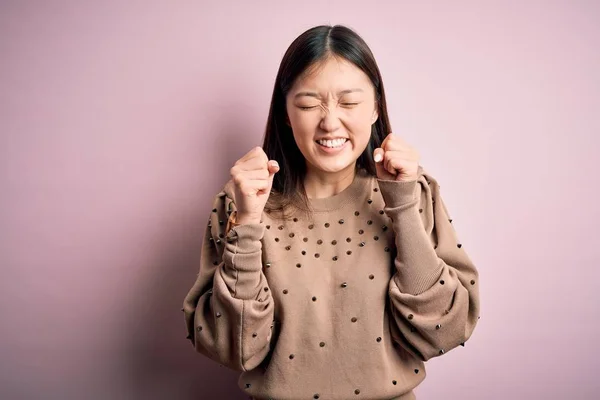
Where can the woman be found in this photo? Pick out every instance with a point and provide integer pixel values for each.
(330, 268)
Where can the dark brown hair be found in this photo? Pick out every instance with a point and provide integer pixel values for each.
(307, 50)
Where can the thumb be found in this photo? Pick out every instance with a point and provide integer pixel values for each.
(378, 157)
(273, 167)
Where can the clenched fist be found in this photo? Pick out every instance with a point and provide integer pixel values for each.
(252, 176)
(396, 160)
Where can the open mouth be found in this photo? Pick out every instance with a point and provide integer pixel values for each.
(333, 144)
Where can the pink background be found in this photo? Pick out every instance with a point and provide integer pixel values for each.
(119, 121)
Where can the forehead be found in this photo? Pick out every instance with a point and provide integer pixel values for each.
(333, 74)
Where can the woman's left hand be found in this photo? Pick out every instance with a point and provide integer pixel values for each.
(396, 160)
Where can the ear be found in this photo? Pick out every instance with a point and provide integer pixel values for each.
(375, 116)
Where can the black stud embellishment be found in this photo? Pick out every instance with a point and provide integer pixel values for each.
(288, 247)
(348, 240)
(277, 239)
(218, 241)
(316, 396)
(362, 244)
(311, 226)
(314, 298)
(420, 210)
(334, 258)
(450, 219)
(220, 222)
(303, 252)
(319, 241)
(371, 276)
(354, 319)
(248, 385)
(285, 291)
(381, 212)
(292, 235)
(295, 219)
(384, 228)
(334, 242)
(280, 227)
(375, 190)
(305, 240)
(360, 231)
(214, 210)
(416, 370)
(387, 249)
(369, 201)
(438, 326)
(463, 344)
(435, 247)
(459, 245)
(344, 285)
(266, 289)
(268, 226)
(369, 222)
(472, 282)
(254, 334)
(298, 265)
(376, 237)
(357, 391)
(410, 316)
(378, 339)
(221, 235)
(442, 282)
(341, 221)
(322, 344)
(442, 351)
(349, 252)
(199, 329)
(394, 382)
(291, 356)
(218, 314)
(326, 224)
(356, 213)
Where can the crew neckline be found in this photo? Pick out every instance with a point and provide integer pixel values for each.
(349, 194)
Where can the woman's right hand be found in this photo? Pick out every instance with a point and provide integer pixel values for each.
(252, 176)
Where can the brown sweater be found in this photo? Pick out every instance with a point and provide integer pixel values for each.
(347, 305)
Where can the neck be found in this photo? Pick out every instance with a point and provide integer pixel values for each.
(321, 184)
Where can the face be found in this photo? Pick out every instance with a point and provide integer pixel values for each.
(331, 109)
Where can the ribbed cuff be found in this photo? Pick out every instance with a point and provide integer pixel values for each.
(243, 259)
(398, 193)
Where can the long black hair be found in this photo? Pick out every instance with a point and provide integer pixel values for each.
(307, 50)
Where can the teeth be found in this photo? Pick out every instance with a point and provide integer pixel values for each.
(332, 143)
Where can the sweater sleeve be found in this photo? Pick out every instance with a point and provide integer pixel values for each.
(434, 292)
(229, 309)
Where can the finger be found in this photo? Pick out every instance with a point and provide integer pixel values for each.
(254, 186)
(273, 167)
(378, 154)
(255, 162)
(256, 152)
(254, 174)
(388, 164)
(385, 141)
(395, 163)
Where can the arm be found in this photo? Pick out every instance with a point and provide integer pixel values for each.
(229, 310)
(434, 293)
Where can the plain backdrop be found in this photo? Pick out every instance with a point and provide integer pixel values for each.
(119, 121)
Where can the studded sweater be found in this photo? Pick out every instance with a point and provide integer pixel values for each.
(347, 303)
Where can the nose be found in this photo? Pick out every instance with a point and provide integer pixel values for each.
(330, 121)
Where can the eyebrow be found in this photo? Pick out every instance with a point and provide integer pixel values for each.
(313, 94)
